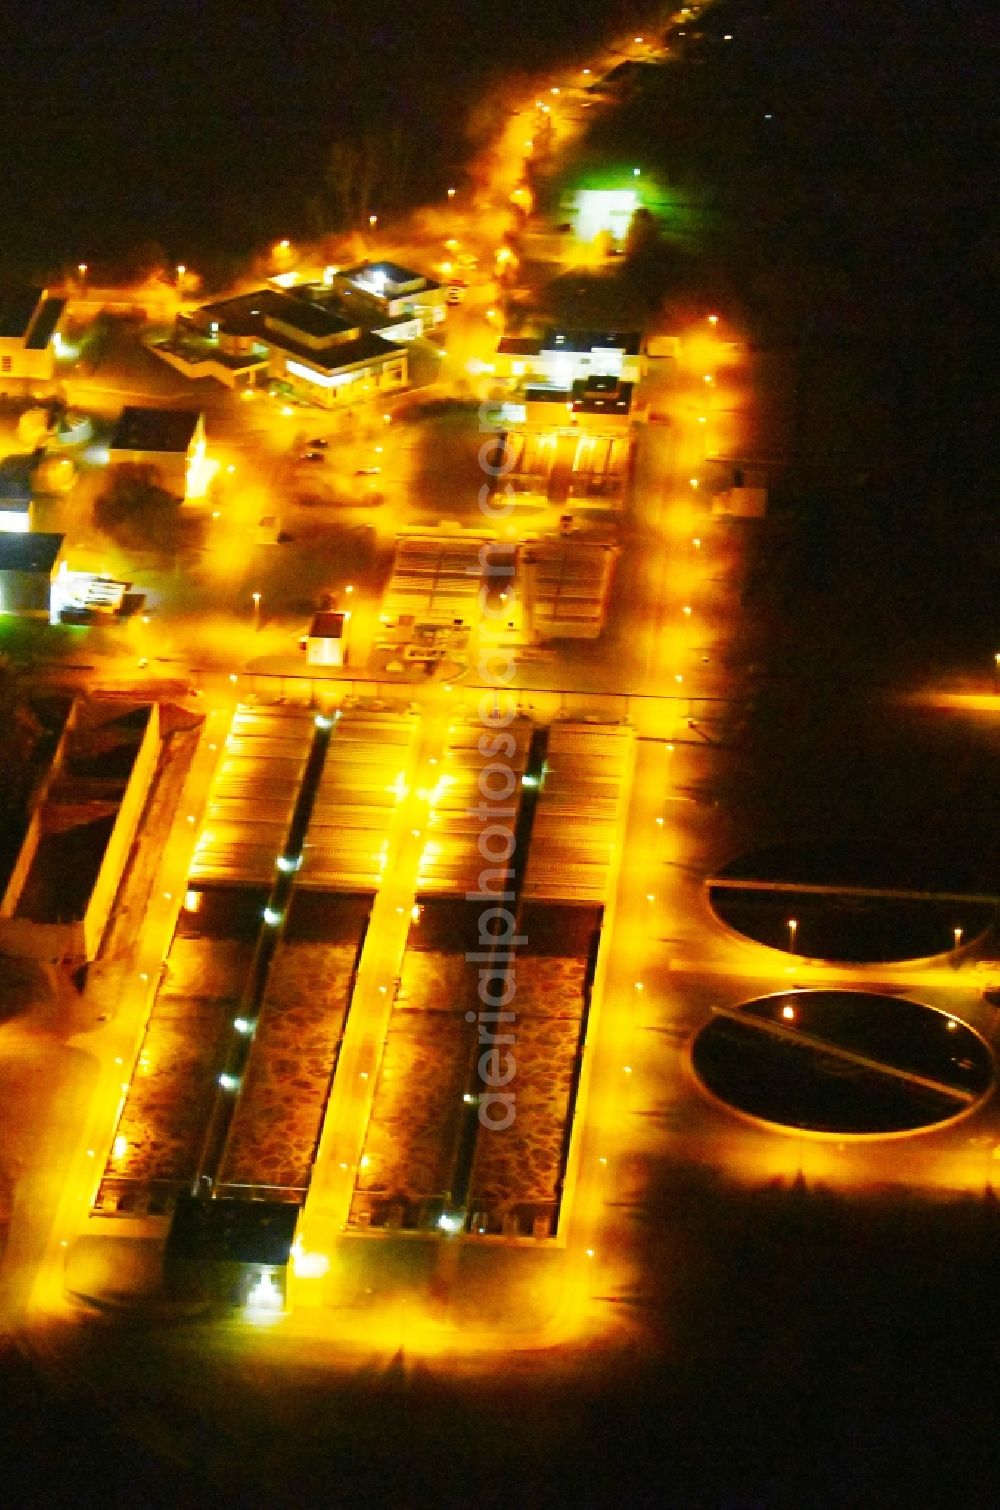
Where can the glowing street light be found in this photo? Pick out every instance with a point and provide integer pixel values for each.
(81, 268)
(713, 319)
(451, 193)
(958, 936)
(373, 221)
(792, 926)
(181, 270)
(255, 597)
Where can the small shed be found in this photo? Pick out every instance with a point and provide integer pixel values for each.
(326, 642)
(29, 564)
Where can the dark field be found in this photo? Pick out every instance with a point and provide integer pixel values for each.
(804, 1351)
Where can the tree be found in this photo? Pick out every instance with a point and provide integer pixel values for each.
(370, 175)
(135, 511)
(642, 239)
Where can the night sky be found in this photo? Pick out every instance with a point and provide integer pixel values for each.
(204, 124)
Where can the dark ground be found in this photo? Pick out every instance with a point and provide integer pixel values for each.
(828, 181)
(806, 1351)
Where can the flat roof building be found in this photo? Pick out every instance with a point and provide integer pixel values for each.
(395, 292)
(29, 332)
(301, 340)
(29, 564)
(562, 357)
(170, 440)
(163, 431)
(16, 492)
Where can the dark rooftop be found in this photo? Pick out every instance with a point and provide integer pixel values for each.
(45, 324)
(33, 553)
(247, 315)
(311, 318)
(326, 626)
(15, 479)
(154, 429)
(245, 1232)
(592, 340)
(244, 314)
(520, 346)
(602, 395)
(17, 305)
(367, 347)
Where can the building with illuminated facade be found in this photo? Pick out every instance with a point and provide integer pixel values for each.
(303, 342)
(171, 440)
(560, 358)
(385, 291)
(29, 335)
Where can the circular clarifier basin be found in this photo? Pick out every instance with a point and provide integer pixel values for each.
(848, 1062)
(854, 903)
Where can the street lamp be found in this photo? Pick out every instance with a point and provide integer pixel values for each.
(957, 932)
(792, 925)
(451, 193)
(256, 610)
(373, 221)
(996, 671)
(81, 268)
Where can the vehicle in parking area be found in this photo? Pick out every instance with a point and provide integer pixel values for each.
(319, 444)
(312, 456)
